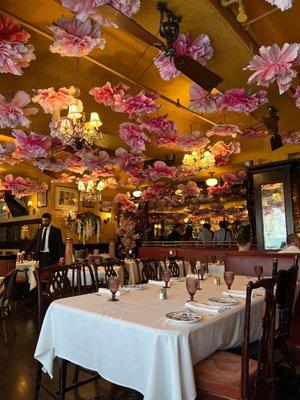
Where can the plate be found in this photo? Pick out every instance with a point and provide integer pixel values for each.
(177, 279)
(183, 317)
(226, 301)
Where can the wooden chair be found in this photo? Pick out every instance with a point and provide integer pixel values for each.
(7, 264)
(86, 279)
(174, 267)
(7, 288)
(225, 375)
(150, 270)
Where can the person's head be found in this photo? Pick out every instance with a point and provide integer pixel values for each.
(189, 230)
(293, 240)
(244, 243)
(46, 219)
(207, 226)
(222, 224)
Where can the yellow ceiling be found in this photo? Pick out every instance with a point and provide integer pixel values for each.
(128, 59)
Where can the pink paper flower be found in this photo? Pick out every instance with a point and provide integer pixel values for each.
(189, 190)
(239, 101)
(223, 151)
(111, 183)
(130, 163)
(6, 151)
(73, 38)
(219, 190)
(165, 139)
(195, 141)
(65, 178)
(20, 187)
(91, 160)
(141, 104)
(224, 130)
(51, 100)
(110, 96)
(75, 164)
(51, 164)
(159, 125)
(201, 100)
(13, 113)
(127, 7)
(160, 170)
(291, 137)
(297, 96)
(282, 4)
(124, 202)
(275, 64)
(184, 172)
(31, 145)
(252, 133)
(234, 178)
(15, 53)
(155, 191)
(200, 50)
(84, 9)
(133, 136)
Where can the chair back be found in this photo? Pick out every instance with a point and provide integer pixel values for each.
(7, 264)
(85, 279)
(150, 270)
(264, 372)
(174, 267)
(7, 288)
(100, 280)
(193, 263)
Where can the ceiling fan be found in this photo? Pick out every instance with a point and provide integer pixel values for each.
(271, 123)
(169, 31)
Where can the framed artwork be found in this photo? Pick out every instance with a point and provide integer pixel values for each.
(42, 199)
(88, 204)
(66, 199)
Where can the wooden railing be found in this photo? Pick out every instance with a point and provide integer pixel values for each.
(190, 243)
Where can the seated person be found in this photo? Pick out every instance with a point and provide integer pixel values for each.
(176, 234)
(292, 244)
(244, 243)
(188, 235)
(223, 234)
(206, 235)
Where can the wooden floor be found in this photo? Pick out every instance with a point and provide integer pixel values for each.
(17, 364)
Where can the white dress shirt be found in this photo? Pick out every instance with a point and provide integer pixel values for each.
(46, 248)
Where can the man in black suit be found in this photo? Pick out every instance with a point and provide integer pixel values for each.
(47, 244)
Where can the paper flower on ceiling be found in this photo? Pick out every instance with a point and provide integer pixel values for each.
(110, 96)
(160, 170)
(124, 202)
(290, 138)
(234, 178)
(159, 124)
(200, 50)
(224, 130)
(165, 139)
(65, 178)
(275, 64)
(282, 4)
(223, 151)
(297, 96)
(52, 100)
(219, 190)
(239, 100)
(111, 184)
(15, 52)
(75, 164)
(133, 136)
(74, 38)
(6, 150)
(155, 191)
(185, 172)
(13, 113)
(252, 133)
(51, 164)
(141, 104)
(130, 163)
(195, 141)
(20, 187)
(189, 190)
(91, 160)
(201, 100)
(31, 145)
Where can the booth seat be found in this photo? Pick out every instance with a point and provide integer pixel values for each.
(242, 263)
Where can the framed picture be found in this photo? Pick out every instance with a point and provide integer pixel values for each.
(66, 199)
(42, 199)
(88, 204)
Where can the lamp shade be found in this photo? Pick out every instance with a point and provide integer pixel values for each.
(211, 182)
(137, 193)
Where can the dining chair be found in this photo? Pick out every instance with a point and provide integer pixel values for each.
(174, 267)
(225, 375)
(7, 264)
(150, 270)
(7, 288)
(193, 263)
(86, 279)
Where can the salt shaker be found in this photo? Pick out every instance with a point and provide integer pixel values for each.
(161, 294)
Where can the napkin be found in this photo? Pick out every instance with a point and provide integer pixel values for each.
(210, 309)
(158, 283)
(106, 292)
(132, 288)
(241, 294)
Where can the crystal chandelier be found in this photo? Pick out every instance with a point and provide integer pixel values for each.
(91, 190)
(74, 130)
(196, 161)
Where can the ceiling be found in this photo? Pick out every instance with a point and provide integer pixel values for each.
(129, 60)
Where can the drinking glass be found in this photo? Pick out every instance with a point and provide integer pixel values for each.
(202, 271)
(166, 277)
(258, 270)
(229, 278)
(113, 285)
(191, 285)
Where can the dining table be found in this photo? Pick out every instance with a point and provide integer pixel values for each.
(133, 343)
(29, 267)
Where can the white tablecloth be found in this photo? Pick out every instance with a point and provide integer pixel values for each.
(101, 275)
(134, 269)
(31, 266)
(131, 343)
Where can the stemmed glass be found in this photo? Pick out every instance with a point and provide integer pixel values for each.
(113, 285)
(202, 271)
(258, 270)
(167, 277)
(229, 278)
(191, 285)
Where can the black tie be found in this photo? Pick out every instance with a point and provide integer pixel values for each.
(43, 241)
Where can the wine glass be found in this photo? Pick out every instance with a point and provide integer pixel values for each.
(202, 271)
(191, 285)
(229, 278)
(166, 277)
(258, 270)
(113, 285)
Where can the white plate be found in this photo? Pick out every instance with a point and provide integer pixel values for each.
(183, 317)
(225, 301)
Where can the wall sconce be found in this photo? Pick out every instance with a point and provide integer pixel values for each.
(108, 217)
(31, 209)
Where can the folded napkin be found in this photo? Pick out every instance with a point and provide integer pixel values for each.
(179, 279)
(106, 292)
(158, 283)
(241, 294)
(210, 309)
(131, 288)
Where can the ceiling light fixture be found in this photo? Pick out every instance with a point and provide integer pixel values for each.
(197, 161)
(91, 191)
(137, 193)
(211, 181)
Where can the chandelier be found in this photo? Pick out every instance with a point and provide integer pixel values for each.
(196, 161)
(74, 130)
(91, 190)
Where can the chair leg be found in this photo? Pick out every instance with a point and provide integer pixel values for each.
(4, 330)
(38, 377)
(62, 378)
(76, 374)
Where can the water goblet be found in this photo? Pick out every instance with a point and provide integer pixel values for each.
(202, 271)
(229, 278)
(166, 277)
(258, 270)
(191, 285)
(113, 285)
